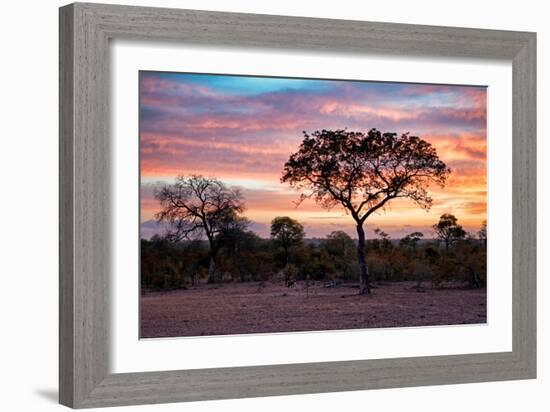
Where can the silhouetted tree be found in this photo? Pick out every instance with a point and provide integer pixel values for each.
(448, 230)
(411, 239)
(287, 232)
(197, 206)
(362, 173)
(385, 242)
(482, 234)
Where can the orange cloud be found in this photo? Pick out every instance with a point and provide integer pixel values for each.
(243, 136)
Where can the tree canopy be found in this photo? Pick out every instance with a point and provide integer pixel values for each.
(448, 230)
(287, 232)
(195, 205)
(363, 172)
(411, 239)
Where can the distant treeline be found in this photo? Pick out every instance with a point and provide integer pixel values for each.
(245, 257)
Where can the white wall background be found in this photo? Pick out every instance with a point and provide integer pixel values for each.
(28, 205)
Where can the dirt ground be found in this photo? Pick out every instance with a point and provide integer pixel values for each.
(237, 308)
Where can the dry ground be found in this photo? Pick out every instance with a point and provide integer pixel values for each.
(236, 308)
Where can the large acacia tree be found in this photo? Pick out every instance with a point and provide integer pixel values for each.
(362, 173)
(196, 206)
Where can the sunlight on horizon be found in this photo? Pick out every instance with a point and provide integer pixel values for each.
(241, 130)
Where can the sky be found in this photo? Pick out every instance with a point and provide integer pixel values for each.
(242, 129)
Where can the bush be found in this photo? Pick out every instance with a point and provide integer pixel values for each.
(166, 265)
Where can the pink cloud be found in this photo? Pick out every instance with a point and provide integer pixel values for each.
(192, 128)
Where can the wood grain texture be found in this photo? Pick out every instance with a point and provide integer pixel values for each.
(66, 229)
(524, 225)
(85, 31)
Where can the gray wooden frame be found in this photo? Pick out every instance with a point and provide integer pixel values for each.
(85, 31)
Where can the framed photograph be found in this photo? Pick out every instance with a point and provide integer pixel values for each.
(255, 205)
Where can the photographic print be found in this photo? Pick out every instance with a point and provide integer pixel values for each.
(273, 204)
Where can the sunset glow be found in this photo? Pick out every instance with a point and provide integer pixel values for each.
(241, 130)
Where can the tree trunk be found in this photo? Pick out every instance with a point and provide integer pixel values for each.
(212, 264)
(363, 270)
(475, 278)
(286, 256)
(212, 269)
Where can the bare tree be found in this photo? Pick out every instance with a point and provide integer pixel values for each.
(196, 206)
(448, 230)
(362, 173)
